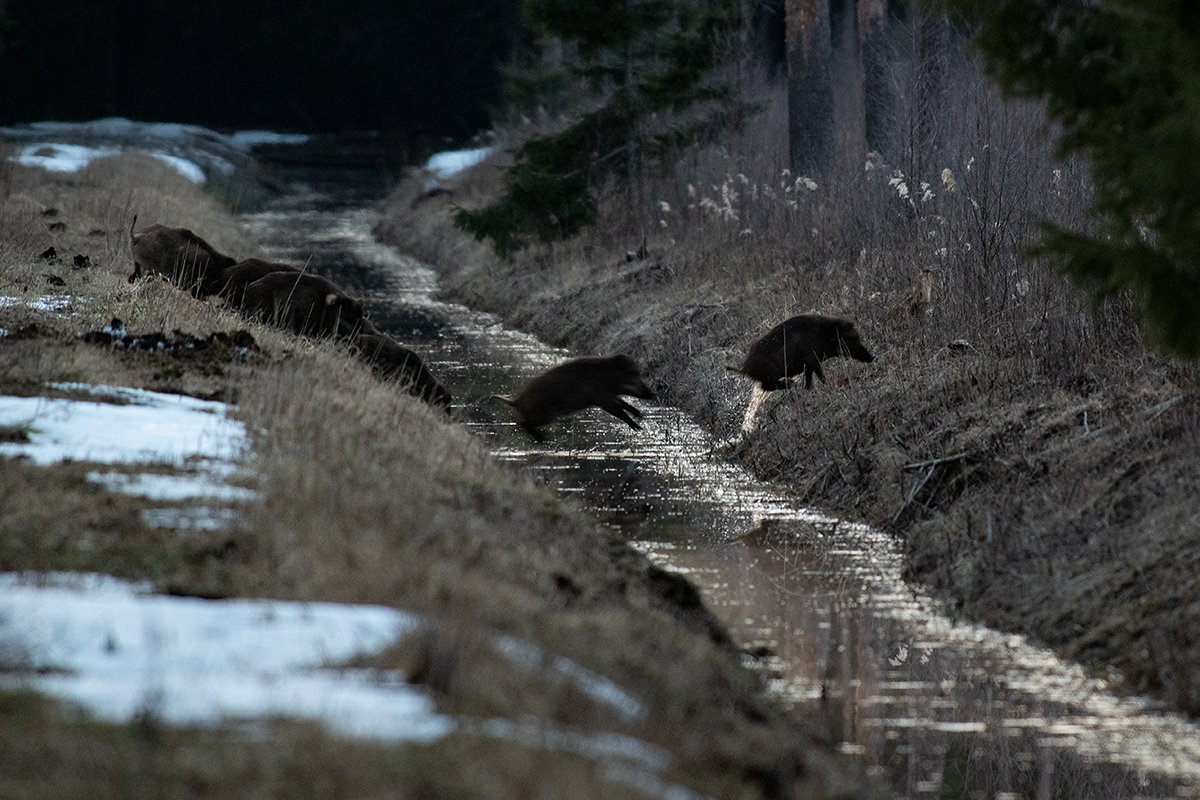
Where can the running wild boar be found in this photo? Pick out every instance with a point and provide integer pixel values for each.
(180, 256)
(391, 360)
(579, 384)
(800, 344)
(307, 304)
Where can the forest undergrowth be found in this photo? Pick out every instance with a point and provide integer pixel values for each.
(1036, 457)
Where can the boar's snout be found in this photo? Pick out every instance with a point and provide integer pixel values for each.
(854, 348)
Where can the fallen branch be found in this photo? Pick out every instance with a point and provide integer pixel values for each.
(936, 461)
(917, 486)
(1154, 411)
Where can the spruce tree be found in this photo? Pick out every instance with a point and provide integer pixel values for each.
(1122, 78)
(637, 58)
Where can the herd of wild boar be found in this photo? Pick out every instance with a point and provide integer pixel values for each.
(280, 294)
(309, 304)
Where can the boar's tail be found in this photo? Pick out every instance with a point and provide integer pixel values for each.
(738, 370)
(501, 397)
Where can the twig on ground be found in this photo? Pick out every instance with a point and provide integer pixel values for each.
(936, 461)
(917, 486)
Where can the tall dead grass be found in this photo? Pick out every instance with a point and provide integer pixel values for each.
(1030, 449)
(365, 495)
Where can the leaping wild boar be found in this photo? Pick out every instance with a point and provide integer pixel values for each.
(800, 344)
(579, 384)
(307, 304)
(389, 360)
(235, 279)
(180, 256)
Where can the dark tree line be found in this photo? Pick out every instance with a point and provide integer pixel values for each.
(643, 66)
(1122, 80)
(423, 66)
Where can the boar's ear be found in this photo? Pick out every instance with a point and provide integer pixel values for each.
(331, 298)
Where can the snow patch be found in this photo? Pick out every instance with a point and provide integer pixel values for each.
(187, 169)
(148, 426)
(195, 152)
(450, 162)
(170, 487)
(60, 157)
(248, 140)
(47, 303)
(120, 652)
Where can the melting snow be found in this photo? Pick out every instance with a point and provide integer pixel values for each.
(120, 652)
(193, 436)
(149, 426)
(191, 150)
(74, 157)
(447, 163)
(60, 157)
(47, 303)
(248, 140)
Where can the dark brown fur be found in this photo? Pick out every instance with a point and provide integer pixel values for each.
(798, 345)
(178, 255)
(579, 384)
(235, 279)
(390, 359)
(307, 304)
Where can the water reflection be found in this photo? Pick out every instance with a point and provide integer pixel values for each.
(939, 708)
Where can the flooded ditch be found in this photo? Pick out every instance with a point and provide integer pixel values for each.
(938, 708)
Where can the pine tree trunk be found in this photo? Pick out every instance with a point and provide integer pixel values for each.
(878, 96)
(633, 153)
(933, 47)
(810, 87)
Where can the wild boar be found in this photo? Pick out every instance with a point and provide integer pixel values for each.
(579, 384)
(391, 360)
(800, 344)
(307, 304)
(180, 256)
(235, 279)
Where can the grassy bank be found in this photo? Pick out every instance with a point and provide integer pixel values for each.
(364, 495)
(1039, 461)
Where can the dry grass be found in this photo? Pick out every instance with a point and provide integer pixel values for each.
(366, 495)
(1040, 462)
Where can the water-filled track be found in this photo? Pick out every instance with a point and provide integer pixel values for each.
(939, 708)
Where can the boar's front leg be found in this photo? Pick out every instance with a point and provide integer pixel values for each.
(623, 411)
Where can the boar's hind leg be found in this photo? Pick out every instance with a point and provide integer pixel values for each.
(623, 411)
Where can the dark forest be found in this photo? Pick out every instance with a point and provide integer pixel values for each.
(425, 67)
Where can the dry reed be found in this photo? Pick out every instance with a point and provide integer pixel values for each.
(365, 495)
(1028, 447)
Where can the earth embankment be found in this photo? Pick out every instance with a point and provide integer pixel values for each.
(1040, 463)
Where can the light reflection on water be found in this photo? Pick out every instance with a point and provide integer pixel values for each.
(940, 708)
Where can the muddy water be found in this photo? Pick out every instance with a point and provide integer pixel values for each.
(937, 708)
